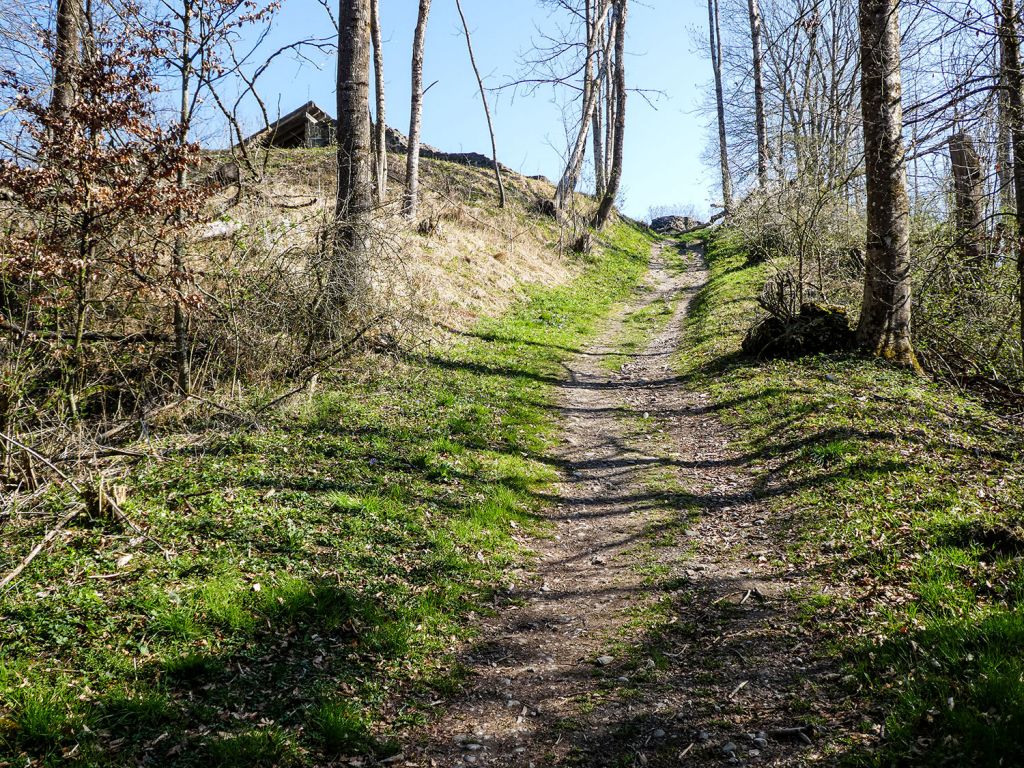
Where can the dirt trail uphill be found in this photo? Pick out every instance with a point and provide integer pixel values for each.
(656, 626)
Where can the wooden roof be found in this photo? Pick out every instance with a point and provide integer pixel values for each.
(290, 130)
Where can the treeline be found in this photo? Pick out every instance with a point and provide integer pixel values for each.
(873, 152)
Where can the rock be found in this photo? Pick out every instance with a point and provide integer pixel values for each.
(729, 748)
(659, 734)
(818, 328)
(675, 225)
(761, 742)
(604, 661)
(703, 736)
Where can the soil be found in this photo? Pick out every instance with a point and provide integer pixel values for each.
(658, 624)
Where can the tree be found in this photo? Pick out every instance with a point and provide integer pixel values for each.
(1013, 83)
(67, 54)
(380, 134)
(715, 45)
(759, 117)
(968, 187)
(412, 166)
(487, 109)
(594, 20)
(615, 175)
(354, 202)
(885, 322)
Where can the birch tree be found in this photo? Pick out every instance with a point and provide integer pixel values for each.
(412, 166)
(715, 46)
(615, 174)
(380, 133)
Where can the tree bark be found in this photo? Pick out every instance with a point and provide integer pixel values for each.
(597, 129)
(591, 98)
(67, 55)
(615, 175)
(714, 43)
(759, 117)
(885, 320)
(1013, 79)
(354, 204)
(487, 109)
(412, 165)
(968, 187)
(380, 133)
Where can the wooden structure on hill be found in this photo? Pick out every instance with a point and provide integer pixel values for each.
(307, 126)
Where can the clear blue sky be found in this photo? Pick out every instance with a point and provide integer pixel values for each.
(664, 143)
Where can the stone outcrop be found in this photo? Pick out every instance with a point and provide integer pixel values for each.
(675, 225)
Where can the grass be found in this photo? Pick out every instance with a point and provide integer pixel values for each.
(905, 496)
(314, 577)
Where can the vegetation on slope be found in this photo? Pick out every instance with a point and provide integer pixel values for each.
(906, 497)
(300, 587)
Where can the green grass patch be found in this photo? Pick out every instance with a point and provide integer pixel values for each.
(312, 572)
(906, 495)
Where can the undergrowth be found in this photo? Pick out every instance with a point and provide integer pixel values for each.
(905, 496)
(310, 580)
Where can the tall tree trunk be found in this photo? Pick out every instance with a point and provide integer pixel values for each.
(609, 96)
(487, 109)
(380, 134)
(67, 54)
(1013, 79)
(412, 165)
(615, 175)
(597, 129)
(714, 43)
(759, 117)
(354, 204)
(968, 186)
(591, 98)
(181, 322)
(884, 327)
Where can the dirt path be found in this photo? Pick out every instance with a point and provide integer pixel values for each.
(656, 627)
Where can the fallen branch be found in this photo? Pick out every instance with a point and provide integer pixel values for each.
(50, 536)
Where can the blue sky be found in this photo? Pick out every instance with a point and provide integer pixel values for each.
(664, 144)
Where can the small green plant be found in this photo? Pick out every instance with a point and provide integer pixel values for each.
(341, 727)
(259, 748)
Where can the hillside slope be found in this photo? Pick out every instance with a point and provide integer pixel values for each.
(289, 584)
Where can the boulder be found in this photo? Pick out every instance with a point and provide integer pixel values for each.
(675, 225)
(817, 328)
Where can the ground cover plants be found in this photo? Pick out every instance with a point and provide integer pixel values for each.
(904, 497)
(292, 580)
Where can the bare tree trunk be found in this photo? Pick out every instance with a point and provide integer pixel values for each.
(615, 175)
(759, 117)
(714, 43)
(412, 166)
(487, 109)
(591, 98)
(968, 185)
(1013, 79)
(67, 54)
(884, 327)
(354, 204)
(380, 133)
(181, 352)
(597, 129)
(609, 87)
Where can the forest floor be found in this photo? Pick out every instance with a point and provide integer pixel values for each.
(659, 623)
